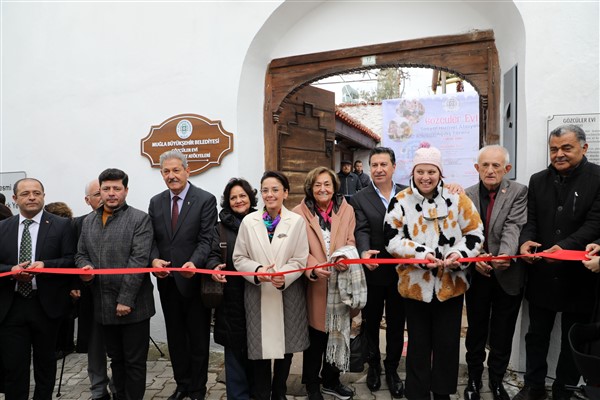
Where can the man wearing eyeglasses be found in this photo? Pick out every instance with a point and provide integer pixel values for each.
(184, 217)
(494, 298)
(90, 338)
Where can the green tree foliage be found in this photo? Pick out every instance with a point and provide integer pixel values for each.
(390, 85)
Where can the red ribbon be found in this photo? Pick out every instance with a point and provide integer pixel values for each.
(562, 255)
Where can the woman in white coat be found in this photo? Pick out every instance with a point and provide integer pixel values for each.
(273, 240)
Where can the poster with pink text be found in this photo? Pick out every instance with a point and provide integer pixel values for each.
(449, 122)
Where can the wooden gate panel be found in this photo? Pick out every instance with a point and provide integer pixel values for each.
(306, 134)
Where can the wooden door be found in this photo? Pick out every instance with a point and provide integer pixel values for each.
(306, 132)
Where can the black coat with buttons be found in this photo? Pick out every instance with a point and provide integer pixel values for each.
(563, 211)
(230, 316)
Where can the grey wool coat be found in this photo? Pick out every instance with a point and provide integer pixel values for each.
(276, 320)
(124, 242)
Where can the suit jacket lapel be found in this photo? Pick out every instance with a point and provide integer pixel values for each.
(335, 226)
(188, 202)
(375, 200)
(45, 224)
(13, 238)
(280, 238)
(475, 198)
(501, 197)
(166, 208)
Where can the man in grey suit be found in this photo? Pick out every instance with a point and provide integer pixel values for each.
(117, 235)
(90, 338)
(183, 217)
(494, 298)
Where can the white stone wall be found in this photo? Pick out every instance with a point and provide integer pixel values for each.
(82, 83)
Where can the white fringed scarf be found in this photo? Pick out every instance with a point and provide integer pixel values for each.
(345, 291)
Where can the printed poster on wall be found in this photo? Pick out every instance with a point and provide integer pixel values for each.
(449, 122)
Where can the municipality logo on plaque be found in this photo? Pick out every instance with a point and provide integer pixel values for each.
(184, 129)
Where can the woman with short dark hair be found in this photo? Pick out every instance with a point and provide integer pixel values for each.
(239, 199)
(270, 241)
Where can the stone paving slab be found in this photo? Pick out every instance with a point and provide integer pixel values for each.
(160, 383)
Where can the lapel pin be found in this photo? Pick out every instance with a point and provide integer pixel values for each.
(503, 190)
(281, 235)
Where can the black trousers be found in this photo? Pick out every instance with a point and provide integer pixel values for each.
(492, 315)
(266, 388)
(313, 362)
(433, 347)
(27, 326)
(127, 346)
(379, 297)
(537, 342)
(188, 336)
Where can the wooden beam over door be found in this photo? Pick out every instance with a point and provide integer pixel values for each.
(472, 56)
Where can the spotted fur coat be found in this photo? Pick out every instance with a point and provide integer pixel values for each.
(415, 226)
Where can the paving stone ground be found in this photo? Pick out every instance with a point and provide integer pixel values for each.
(160, 384)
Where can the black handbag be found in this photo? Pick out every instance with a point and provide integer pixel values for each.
(211, 292)
(358, 351)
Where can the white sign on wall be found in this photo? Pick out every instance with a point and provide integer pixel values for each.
(7, 181)
(449, 122)
(590, 123)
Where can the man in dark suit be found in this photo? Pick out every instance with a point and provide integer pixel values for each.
(563, 213)
(494, 298)
(183, 217)
(32, 305)
(370, 206)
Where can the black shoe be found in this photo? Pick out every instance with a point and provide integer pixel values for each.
(341, 392)
(278, 397)
(560, 393)
(472, 390)
(394, 383)
(530, 393)
(437, 396)
(314, 395)
(374, 377)
(498, 391)
(177, 395)
(105, 397)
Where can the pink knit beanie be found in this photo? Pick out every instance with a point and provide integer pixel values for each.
(428, 155)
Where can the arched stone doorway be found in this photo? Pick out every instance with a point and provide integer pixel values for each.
(472, 56)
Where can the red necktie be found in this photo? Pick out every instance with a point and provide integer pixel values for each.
(488, 215)
(174, 213)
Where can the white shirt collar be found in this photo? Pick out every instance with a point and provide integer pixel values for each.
(37, 218)
(183, 192)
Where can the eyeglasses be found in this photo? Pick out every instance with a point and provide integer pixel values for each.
(274, 190)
